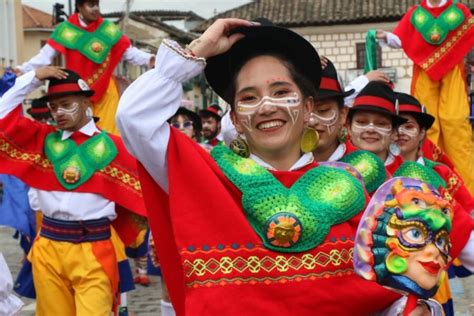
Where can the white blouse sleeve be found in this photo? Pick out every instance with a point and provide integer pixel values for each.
(149, 102)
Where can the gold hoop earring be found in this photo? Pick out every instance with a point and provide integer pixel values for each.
(309, 140)
(240, 147)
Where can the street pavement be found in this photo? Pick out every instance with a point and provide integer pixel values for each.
(145, 301)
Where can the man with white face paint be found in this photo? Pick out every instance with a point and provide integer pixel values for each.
(93, 52)
(82, 179)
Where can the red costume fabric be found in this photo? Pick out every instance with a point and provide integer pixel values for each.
(434, 153)
(22, 155)
(210, 255)
(436, 60)
(394, 165)
(96, 75)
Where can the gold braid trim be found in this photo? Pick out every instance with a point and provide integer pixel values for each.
(446, 47)
(98, 73)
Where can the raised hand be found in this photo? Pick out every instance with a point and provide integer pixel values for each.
(381, 34)
(376, 75)
(50, 72)
(216, 39)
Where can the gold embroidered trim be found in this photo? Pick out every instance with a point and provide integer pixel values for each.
(269, 281)
(254, 264)
(446, 47)
(98, 73)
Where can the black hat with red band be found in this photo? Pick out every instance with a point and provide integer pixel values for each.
(410, 105)
(378, 97)
(213, 110)
(72, 85)
(39, 109)
(330, 86)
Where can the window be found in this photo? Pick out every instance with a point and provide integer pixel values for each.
(360, 50)
(57, 61)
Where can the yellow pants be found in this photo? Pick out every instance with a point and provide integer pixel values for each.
(106, 108)
(69, 280)
(447, 101)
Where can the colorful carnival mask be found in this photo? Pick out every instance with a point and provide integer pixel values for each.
(403, 238)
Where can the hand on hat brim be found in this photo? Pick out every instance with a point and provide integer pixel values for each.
(219, 37)
(50, 72)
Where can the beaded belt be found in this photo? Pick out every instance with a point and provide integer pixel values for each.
(75, 231)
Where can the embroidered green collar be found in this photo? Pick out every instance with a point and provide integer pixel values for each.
(435, 30)
(93, 45)
(73, 165)
(292, 219)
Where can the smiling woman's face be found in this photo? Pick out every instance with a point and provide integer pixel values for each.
(371, 131)
(269, 107)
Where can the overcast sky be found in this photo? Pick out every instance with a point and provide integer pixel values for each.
(205, 8)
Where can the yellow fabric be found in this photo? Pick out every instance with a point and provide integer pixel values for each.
(106, 108)
(140, 239)
(444, 291)
(447, 101)
(69, 280)
(118, 245)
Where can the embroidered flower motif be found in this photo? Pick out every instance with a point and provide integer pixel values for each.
(283, 230)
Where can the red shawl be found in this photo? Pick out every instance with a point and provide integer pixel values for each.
(97, 76)
(21, 155)
(211, 256)
(437, 60)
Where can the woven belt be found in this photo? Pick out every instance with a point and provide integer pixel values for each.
(75, 231)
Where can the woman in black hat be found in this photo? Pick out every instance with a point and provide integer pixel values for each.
(273, 229)
(373, 120)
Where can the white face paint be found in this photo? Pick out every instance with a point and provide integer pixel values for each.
(360, 128)
(408, 130)
(328, 119)
(72, 111)
(246, 111)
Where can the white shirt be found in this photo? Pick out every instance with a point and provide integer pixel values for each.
(338, 153)
(58, 204)
(9, 303)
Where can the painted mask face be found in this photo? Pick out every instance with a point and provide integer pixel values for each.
(403, 238)
(409, 135)
(90, 11)
(371, 131)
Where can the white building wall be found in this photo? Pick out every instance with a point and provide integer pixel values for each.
(338, 43)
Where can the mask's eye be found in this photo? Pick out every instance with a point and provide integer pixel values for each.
(418, 202)
(442, 242)
(414, 235)
(446, 210)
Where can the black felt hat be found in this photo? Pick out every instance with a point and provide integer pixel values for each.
(410, 105)
(213, 110)
(378, 97)
(330, 86)
(259, 40)
(39, 109)
(73, 84)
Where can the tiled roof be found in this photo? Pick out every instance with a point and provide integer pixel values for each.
(163, 15)
(173, 31)
(295, 13)
(34, 18)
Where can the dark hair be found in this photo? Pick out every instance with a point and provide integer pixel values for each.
(80, 3)
(304, 84)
